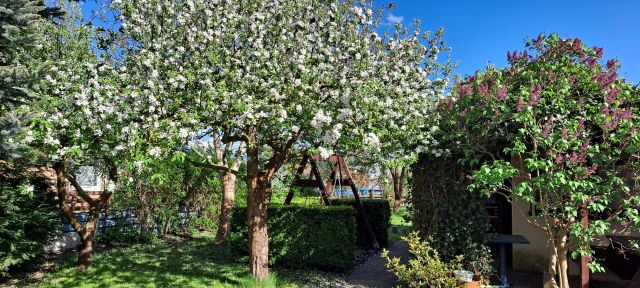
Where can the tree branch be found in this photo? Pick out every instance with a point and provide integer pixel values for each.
(234, 138)
(83, 194)
(215, 167)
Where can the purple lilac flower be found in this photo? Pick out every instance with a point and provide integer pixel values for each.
(624, 114)
(512, 57)
(468, 89)
(605, 80)
(577, 43)
(599, 51)
(574, 158)
(484, 90)
(611, 64)
(520, 104)
(591, 170)
(501, 93)
(585, 146)
(538, 42)
(580, 127)
(559, 159)
(547, 128)
(534, 94)
(611, 96)
(449, 104)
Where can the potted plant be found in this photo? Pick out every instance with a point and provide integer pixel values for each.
(481, 263)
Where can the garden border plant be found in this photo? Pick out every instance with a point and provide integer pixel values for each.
(378, 215)
(320, 237)
(454, 220)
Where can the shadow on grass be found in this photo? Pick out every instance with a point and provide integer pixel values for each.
(193, 262)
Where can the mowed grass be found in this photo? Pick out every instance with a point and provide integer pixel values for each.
(398, 227)
(194, 262)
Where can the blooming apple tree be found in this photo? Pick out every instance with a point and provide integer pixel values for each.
(84, 117)
(279, 76)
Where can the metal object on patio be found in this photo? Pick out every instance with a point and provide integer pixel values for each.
(503, 240)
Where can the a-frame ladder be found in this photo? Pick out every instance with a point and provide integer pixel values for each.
(339, 172)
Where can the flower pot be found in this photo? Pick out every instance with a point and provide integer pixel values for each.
(472, 284)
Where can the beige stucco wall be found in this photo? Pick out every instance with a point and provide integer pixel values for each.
(535, 256)
(528, 257)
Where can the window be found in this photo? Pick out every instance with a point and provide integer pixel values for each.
(89, 178)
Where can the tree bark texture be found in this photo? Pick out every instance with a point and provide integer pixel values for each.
(258, 234)
(228, 200)
(86, 232)
(397, 178)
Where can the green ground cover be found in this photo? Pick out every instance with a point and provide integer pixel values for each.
(190, 262)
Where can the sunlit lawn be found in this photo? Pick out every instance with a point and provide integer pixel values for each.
(195, 262)
(398, 226)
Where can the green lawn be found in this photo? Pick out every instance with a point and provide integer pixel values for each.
(195, 262)
(398, 226)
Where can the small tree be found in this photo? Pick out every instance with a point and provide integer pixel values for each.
(221, 154)
(279, 76)
(558, 130)
(84, 117)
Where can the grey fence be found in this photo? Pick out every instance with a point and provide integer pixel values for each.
(123, 220)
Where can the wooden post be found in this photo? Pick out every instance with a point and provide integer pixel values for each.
(584, 260)
(323, 188)
(303, 164)
(359, 207)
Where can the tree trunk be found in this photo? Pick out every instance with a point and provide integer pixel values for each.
(258, 235)
(553, 268)
(559, 262)
(87, 236)
(397, 177)
(228, 200)
(563, 265)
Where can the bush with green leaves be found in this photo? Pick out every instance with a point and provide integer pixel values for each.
(170, 196)
(303, 236)
(425, 268)
(379, 217)
(444, 211)
(28, 220)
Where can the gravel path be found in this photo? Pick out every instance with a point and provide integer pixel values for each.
(373, 272)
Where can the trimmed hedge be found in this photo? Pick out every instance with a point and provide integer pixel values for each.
(379, 215)
(302, 236)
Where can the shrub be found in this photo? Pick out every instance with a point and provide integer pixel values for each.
(444, 211)
(379, 216)
(425, 268)
(28, 219)
(302, 236)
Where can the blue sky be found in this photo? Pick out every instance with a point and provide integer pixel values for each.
(482, 31)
